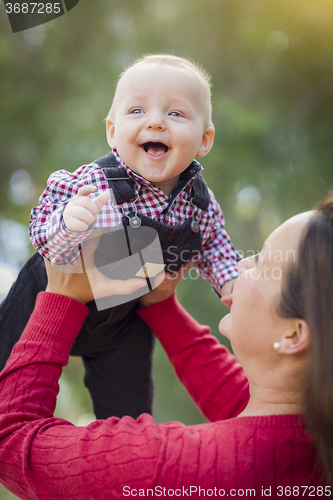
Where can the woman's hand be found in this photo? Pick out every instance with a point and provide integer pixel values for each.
(90, 284)
(166, 288)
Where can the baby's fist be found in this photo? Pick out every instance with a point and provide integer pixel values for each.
(81, 211)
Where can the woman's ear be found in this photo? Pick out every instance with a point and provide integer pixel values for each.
(110, 133)
(206, 142)
(299, 339)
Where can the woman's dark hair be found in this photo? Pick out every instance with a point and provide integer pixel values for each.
(307, 293)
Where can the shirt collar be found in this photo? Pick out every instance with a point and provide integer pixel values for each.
(186, 178)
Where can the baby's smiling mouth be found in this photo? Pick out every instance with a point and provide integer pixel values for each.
(155, 148)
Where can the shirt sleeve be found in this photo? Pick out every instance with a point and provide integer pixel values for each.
(217, 261)
(48, 232)
(211, 374)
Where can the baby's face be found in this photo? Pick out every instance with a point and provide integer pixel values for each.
(159, 123)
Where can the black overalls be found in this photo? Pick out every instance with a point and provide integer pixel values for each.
(115, 344)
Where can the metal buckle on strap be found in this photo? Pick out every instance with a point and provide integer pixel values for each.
(114, 178)
(194, 226)
(134, 221)
(117, 178)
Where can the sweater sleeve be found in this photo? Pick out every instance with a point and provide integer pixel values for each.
(211, 374)
(43, 457)
(46, 457)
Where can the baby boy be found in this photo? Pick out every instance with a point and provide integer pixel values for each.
(159, 121)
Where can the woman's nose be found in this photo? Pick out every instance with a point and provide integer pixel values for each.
(241, 266)
(244, 264)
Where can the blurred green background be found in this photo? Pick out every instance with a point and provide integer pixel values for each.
(272, 68)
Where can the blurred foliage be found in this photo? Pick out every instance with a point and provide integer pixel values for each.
(272, 68)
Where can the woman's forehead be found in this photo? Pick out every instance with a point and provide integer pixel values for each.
(284, 241)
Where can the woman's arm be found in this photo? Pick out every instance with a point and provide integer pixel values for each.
(46, 457)
(211, 375)
(43, 457)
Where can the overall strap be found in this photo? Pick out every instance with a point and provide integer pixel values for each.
(200, 194)
(119, 181)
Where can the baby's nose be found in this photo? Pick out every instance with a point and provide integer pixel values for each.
(155, 126)
(155, 122)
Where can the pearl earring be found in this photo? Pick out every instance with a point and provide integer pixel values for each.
(277, 345)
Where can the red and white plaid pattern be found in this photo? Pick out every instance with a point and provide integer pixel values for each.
(217, 262)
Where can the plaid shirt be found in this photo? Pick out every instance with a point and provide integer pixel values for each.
(217, 262)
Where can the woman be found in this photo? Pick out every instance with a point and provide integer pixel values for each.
(257, 444)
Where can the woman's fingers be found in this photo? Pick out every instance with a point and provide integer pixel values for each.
(102, 286)
(89, 285)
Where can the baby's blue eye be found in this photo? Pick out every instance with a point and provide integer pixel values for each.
(136, 111)
(175, 113)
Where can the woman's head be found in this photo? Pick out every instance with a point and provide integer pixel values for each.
(281, 319)
(254, 324)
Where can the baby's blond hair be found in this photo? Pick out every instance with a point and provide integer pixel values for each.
(196, 70)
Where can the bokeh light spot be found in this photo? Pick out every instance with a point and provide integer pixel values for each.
(21, 189)
(277, 42)
(247, 203)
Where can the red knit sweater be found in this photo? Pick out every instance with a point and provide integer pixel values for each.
(49, 458)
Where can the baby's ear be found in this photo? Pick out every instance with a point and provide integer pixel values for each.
(110, 133)
(206, 142)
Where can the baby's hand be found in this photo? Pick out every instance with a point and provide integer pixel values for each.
(81, 211)
(226, 293)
